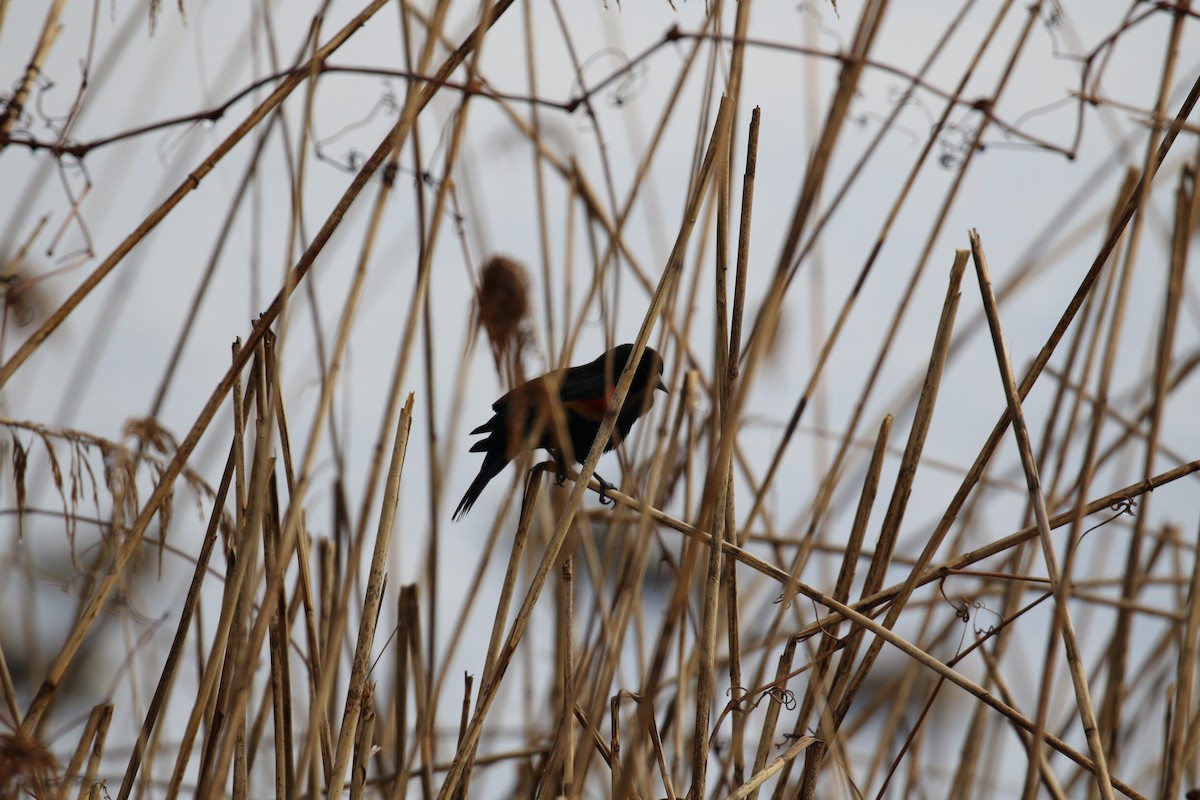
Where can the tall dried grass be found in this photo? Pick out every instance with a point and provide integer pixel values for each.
(738, 624)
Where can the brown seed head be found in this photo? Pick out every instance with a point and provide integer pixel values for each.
(26, 765)
(503, 302)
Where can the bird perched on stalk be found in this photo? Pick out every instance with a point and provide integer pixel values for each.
(529, 416)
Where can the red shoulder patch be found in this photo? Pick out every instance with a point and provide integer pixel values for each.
(592, 409)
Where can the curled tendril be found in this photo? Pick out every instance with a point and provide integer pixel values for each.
(978, 606)
(1122, 506)
(786, 697)
(821, 624)
(961, 610)
(988, 631)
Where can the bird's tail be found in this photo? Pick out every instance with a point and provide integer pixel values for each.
(487, 471)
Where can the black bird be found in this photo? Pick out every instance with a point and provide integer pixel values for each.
(525, 417)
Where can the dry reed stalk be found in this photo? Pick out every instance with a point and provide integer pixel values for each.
(51, 29)
(423, 745)
(933, 573)
(1111, 707)
(832, 683)
(89, 782)
(733, 611)
(1186, 210)
(825, 495)
(389, 145)
(1061, 590)
(280, 694)
(132, 541)
(714, 505)
(357, 693)
(488, 688)
(328, 557)
(609, 635)
(750, 787)
(567, 637)
(193, 180)
(99, 716)
(903, 488)
(364, 743)
(405, 611)
(1180, 737)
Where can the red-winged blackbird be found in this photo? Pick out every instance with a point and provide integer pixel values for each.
(525, 418)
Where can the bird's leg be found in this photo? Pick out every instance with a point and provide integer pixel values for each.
(560, 469)
(560, 475)
(605, 500)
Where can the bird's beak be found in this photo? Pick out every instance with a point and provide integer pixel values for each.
(662, 385)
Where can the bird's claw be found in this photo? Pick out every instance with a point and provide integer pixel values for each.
(605, 500)
(560, 475)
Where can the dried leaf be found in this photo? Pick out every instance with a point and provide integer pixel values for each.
(56, 475)
(20, 460)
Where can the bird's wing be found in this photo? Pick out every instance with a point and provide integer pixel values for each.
(585, 383)
(520, 395)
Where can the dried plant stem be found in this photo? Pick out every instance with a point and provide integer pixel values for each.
(364, 742)
(533, 485)
(51, 29)
(828, 484)
(832, 683)
(357, 692)
(1177, 742)
(716, 495)
(1061, 590)
(9, 689)
(133, 539)
(750, 787)
(99, 715)
(567, 636)
(904, 479)
(1111, 708)
(250, 123)
(731, 570)
(1186, 209)
(489, 688)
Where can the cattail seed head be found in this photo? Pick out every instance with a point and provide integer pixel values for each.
(504, 303)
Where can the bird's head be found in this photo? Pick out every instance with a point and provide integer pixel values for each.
(649, 369)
